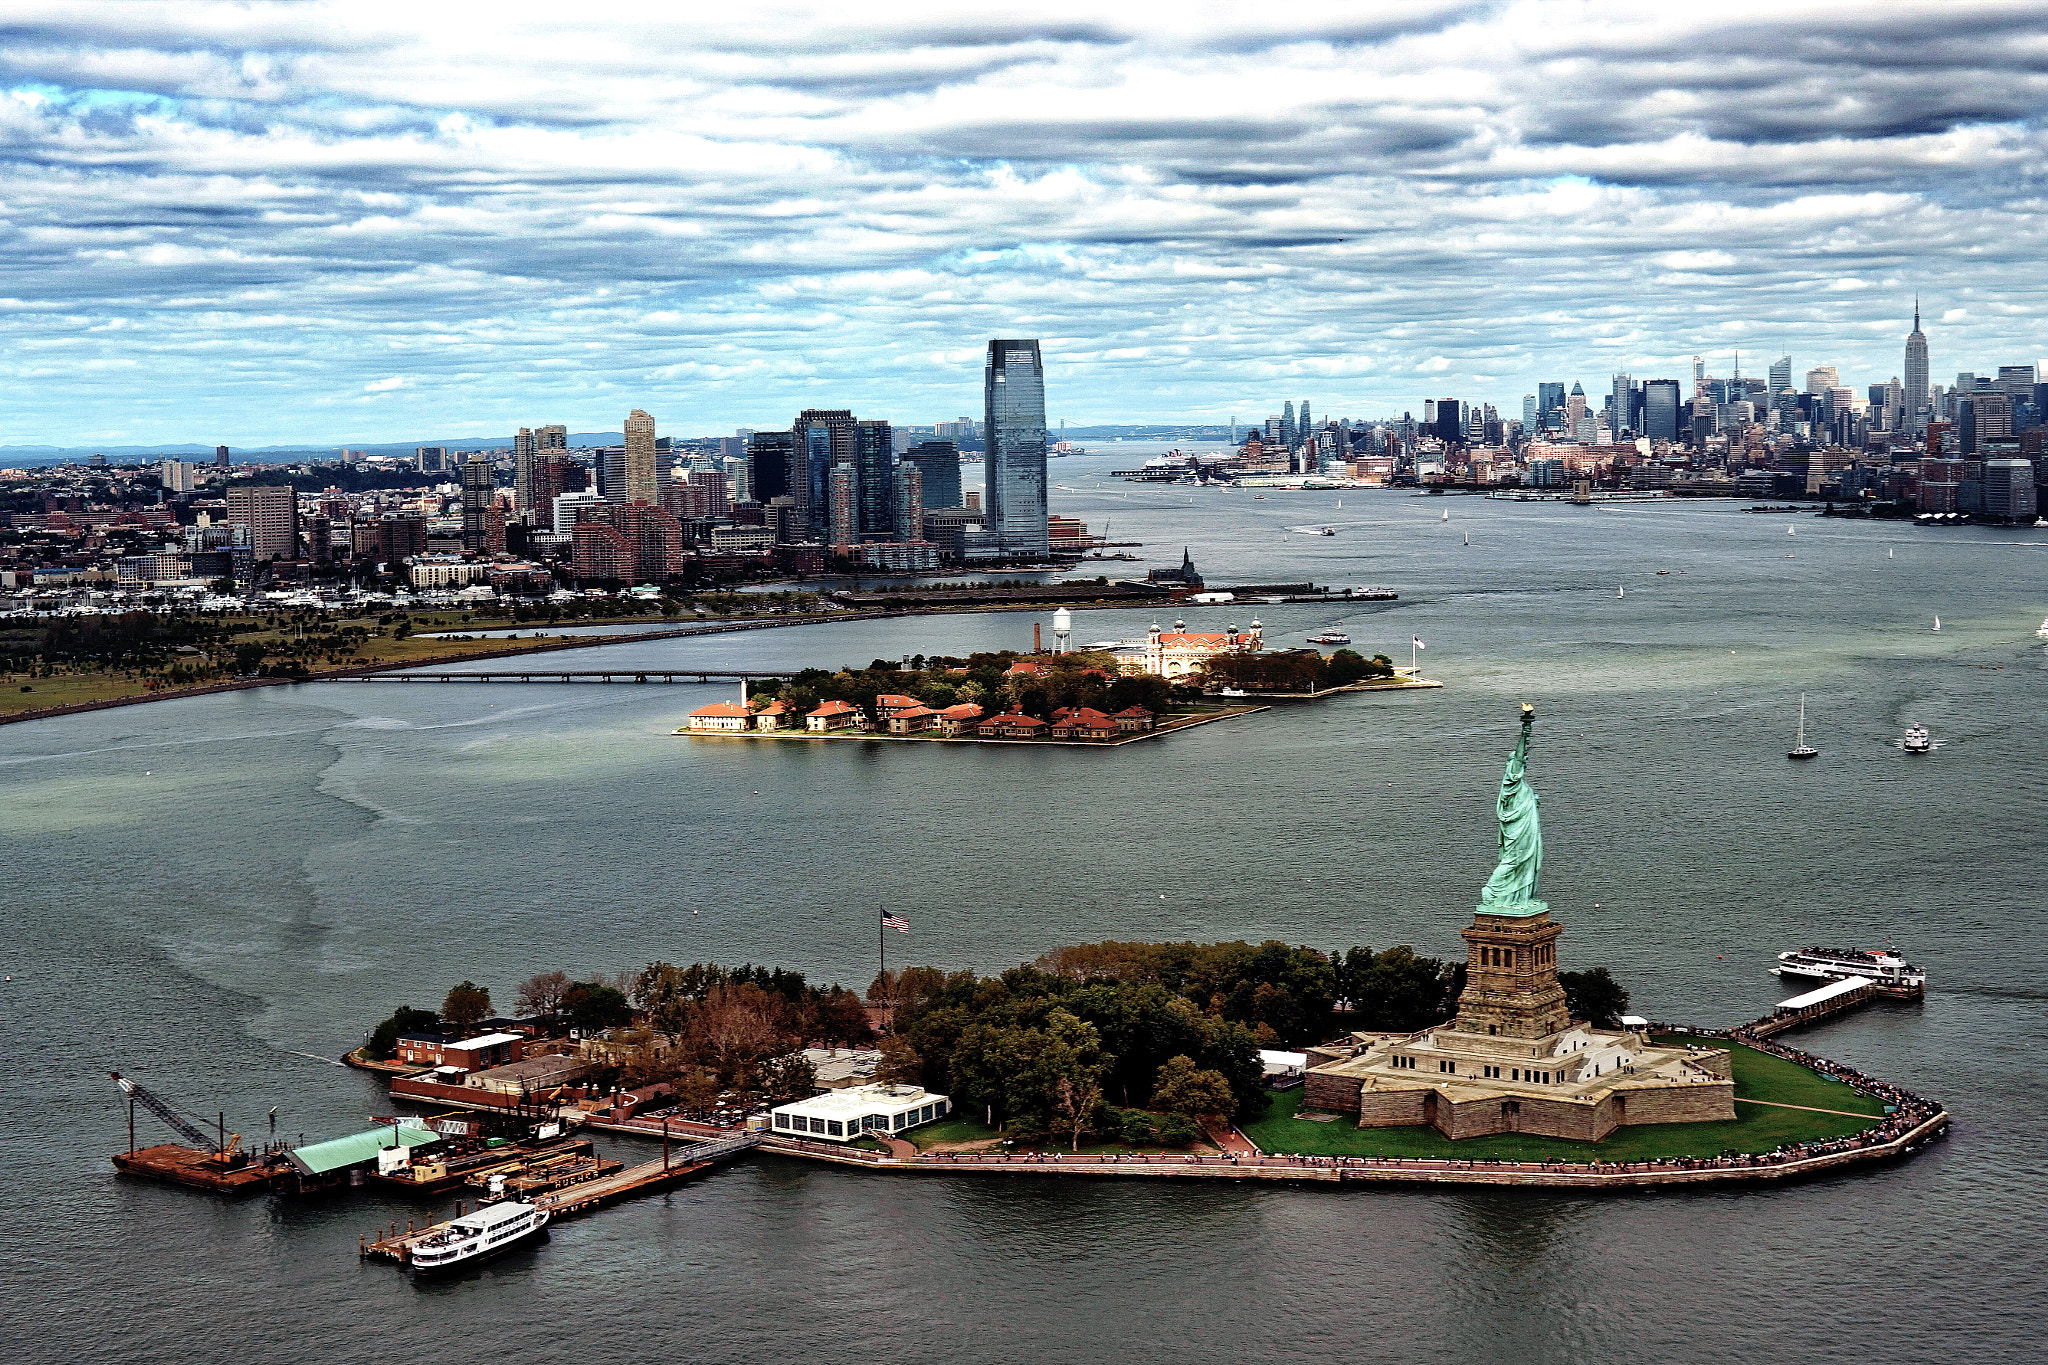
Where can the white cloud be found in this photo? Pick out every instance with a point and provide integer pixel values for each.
(725, 215)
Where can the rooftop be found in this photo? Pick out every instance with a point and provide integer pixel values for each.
(336, 1153)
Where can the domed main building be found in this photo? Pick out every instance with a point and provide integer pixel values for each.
(1513, 1060)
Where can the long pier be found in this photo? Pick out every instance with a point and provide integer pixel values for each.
(569, 675)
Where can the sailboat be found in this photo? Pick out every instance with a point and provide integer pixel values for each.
(1937, 625)
(1887, 552)
(1621, 592)
(1446, 516)
(1468, 537)
(1340, 502)
(1791, 530)
(1801, 750)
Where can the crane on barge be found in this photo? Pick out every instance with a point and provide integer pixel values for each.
(223, 1144)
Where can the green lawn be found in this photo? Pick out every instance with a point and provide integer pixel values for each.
(955, 1127)
(1758, 1127)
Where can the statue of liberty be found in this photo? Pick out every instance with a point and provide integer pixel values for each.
(1511, 890)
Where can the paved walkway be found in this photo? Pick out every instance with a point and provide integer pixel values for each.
(1774, 1104)
(1228, 1139)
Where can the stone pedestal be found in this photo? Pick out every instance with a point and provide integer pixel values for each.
(1511, 987)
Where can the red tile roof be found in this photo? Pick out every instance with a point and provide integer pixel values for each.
(966, 710)
(722, 708)
(1013, 720)
(834, 708)
(1134, 711)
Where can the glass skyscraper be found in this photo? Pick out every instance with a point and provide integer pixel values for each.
(1013, 389)
(1660, 409)
(938, 462)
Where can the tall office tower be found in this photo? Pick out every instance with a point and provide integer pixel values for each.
(522, 469)
(909, 502)
(1660, 409)
(823, 439)
(1549, 398)
(771, 456)
(1980, 416)
(938, 467)
(1304, 427)
(554, 473)
(1821, 378)
(1916, 370)
(843, 500)
(643, 461)
(1889, 400)
(2016, 382)
(1528, 412)
(1699, 373)
(1450, 421)
(176, 476)
(1429, 413)
(1271, 430)
(220, 455)
(1013, 389)
(478, 483)
(550, 438)
(1575, 411)
(1620, 404)
(270, 518)
(1289, 434)
(1781, 376)
(874, 464)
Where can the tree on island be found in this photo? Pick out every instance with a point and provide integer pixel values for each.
(467, 1006)
(540, 996)
(1184, 1089)
(1594, 996)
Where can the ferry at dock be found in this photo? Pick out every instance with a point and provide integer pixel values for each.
(475, 1236)
(1885, 968)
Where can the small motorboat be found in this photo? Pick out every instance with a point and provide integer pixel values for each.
(1327, 531)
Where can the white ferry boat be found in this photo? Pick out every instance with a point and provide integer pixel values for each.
(474, 1236)
(1886, 967)
(1916, 740)
(1330, 637)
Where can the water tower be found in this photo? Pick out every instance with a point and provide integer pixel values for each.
(1062, 630)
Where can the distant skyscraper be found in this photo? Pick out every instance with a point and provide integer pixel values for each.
(1621, 401)
(909, 510)
(1289, 433)
(1575, 423)
(769, 456)
(1549, 398)
(1821, 378)
(1529, 412)
(843, 494)
(431, 459)
(643, 461)
(478, 481)
(938, 466)
(824, 439)
(1013, 387)
(220, 454)
(270, 516)
(874, 464)
(1304, 427)
(2017, 382)
(1660, 409)
(1781, 376)
(1916, 371)
(522, 470)
(1450, 421)
(1699, 372)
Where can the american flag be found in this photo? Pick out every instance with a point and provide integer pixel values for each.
(896, 922)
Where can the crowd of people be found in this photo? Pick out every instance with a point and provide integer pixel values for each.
(1906, 1112)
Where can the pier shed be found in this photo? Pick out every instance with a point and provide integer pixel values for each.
(337, 1156)
(1836, 995)
(843, 1115)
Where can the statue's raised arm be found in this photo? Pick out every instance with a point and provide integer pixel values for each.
(1511, 890)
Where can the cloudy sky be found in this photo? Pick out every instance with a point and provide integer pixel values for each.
(260, 223)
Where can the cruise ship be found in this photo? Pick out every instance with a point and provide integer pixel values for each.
(472, 1237)
(1886, 968)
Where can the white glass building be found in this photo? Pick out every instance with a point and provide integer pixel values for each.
(843, 1115)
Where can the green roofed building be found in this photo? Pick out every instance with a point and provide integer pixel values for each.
(358, 1149)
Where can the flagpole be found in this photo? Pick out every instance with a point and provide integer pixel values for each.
(882, 943)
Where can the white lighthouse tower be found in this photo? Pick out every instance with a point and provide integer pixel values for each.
(1062, 630)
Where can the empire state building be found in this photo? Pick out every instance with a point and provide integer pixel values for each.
(1916, 373)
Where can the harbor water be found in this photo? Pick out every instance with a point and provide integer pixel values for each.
(220, 895)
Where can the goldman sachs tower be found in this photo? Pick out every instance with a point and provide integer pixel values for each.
(1916, 371)
(1013, 388)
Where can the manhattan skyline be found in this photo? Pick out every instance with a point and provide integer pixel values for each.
(265, 224)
